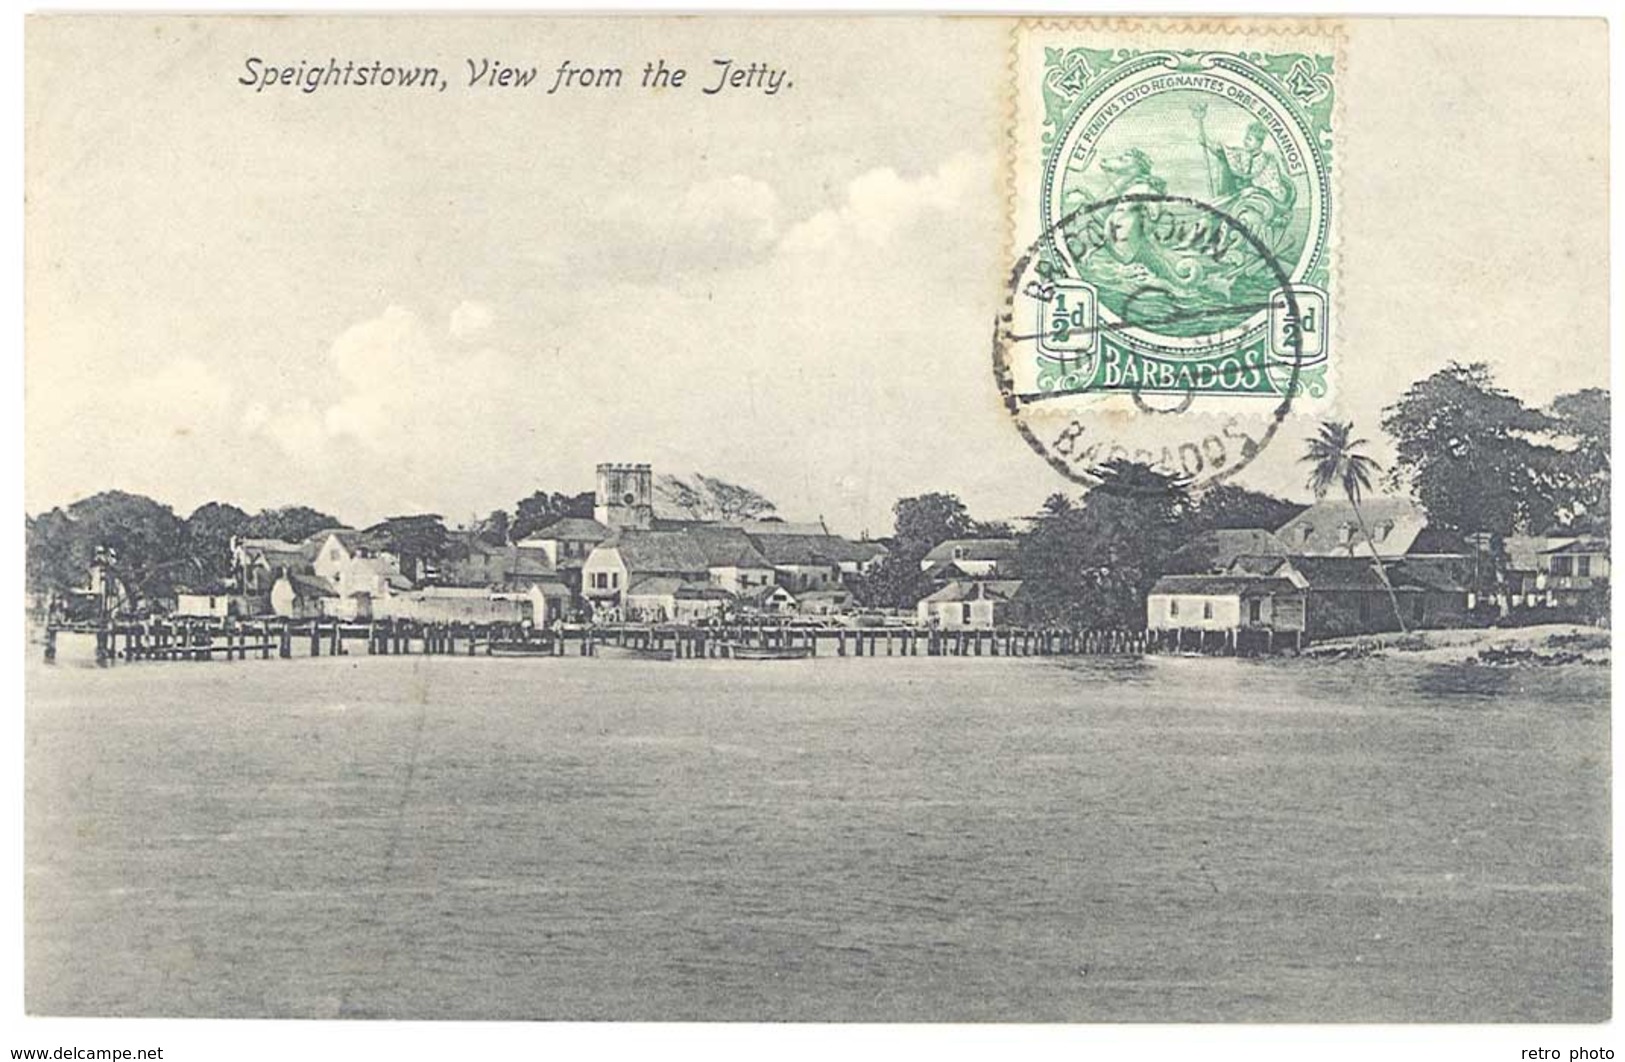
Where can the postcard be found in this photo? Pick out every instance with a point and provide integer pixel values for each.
(817, 519)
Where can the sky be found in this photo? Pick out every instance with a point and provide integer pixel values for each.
(384, 303)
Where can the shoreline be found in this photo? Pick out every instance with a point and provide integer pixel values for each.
(1544, 645)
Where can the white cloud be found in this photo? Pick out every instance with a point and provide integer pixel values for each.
(882, 203)
(827, 336)
(469, 319)
(298, 428)
(386, 363)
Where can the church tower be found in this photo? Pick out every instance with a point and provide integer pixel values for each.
(624, 497)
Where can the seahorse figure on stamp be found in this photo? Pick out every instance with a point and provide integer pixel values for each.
(1196, 262)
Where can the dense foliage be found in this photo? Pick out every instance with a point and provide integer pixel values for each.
(1479, 459)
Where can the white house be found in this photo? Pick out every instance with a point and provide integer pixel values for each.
(971, 603)
(803, 562)
(668, 599)
(976, 558)
(214, 605)
(732, 561)
(1226, 603)
(300, 595)
(632, 555)
(567, 541)
(353, 566)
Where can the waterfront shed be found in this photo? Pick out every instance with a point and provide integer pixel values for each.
(971, 603)
(1226, 603)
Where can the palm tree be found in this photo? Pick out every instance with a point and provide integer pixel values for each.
(1336, 461)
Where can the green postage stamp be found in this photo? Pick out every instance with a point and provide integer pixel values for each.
(1173, 208)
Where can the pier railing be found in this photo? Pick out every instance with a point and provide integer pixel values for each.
(188, 639)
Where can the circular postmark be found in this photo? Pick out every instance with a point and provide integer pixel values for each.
(1174, 304)
(1082, 432)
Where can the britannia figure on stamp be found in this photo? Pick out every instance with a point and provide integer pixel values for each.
(1248, 182)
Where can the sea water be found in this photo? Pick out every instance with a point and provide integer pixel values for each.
(1085, 839)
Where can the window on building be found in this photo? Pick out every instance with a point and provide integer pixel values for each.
(1562, 565)
(1583, 566)
(614, 580)
(1345, 534)
(1384, 529)
(967, 612)
(1255, 611)
(1207, 610)
(1173, 606)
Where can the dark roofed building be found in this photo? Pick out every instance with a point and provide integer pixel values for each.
(567, 541)
(632, 555)
(804, 562)
(1330, 528)
(1235, 603)
(975, 603)
(1347, 595)
(1216, 551)
(727, 547)
(300, 595)
(472, 561)
(975, 551)
(659, 552)
(782, 527)
(257, 562)
(800, 549)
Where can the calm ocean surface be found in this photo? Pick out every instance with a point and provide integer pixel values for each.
(922, 839)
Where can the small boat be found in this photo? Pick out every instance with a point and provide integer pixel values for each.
(632, 652)
(770, 652)
(522, 649)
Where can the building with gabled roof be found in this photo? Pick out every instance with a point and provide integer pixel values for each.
(1330, 528)
(257, 562)
(1216, 551)
(301, 595)
(732, 561)
(781, 527)
(631, 555)
(976, 558)
(1227, 603)
(770, 599)
(972, 603)
(1559, 571)
(668, 599)
(568, 540)
(804, 562)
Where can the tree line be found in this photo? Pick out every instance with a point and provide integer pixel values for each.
(1480, 460)
(152, 549)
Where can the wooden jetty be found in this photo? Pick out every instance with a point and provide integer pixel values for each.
(176, 639)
